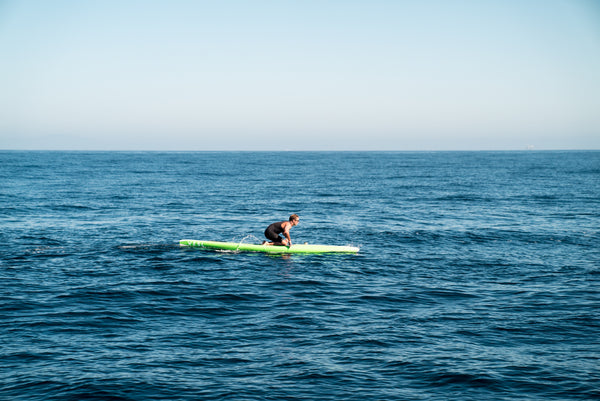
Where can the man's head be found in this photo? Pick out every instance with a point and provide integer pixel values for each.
(294, 219)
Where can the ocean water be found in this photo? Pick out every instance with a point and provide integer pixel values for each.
(478, 276)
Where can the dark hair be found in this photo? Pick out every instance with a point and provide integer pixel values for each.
(294, 217)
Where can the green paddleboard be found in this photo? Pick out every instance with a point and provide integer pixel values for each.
(240, 247)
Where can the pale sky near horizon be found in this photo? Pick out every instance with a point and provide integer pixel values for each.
(299, 75)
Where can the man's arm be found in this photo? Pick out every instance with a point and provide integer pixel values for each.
(286, 232)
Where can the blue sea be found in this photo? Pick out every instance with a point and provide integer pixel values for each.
(478, 276)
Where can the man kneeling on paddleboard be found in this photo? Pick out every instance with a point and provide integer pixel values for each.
(272, 232)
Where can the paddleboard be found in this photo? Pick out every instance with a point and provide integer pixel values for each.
(240, 247)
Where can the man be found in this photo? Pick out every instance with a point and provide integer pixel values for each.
(272, 232)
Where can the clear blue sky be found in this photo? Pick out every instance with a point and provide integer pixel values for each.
(299, 75)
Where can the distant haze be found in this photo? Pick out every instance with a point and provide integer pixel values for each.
(299, 75)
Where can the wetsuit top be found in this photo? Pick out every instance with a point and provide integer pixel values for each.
(275, 228)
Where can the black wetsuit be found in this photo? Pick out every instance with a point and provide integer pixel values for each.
(272, 232)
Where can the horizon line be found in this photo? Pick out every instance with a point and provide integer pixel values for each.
(305, 150)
